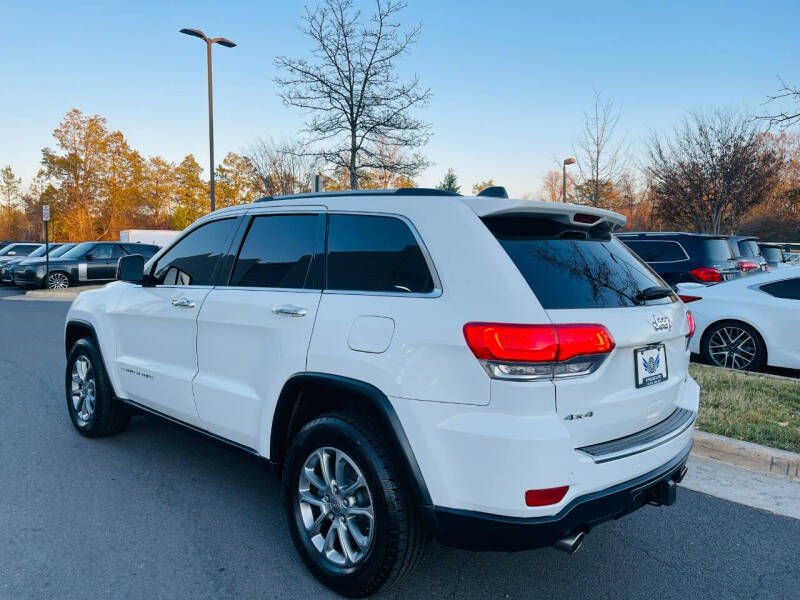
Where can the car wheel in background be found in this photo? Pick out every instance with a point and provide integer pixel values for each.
(733, 345)
(351, 516)
(90, 399)
(57, 281)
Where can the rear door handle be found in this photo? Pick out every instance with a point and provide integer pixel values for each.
(292, 311)
(183, 302)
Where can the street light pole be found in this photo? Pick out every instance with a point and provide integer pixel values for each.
(209, 42)
(567, 161)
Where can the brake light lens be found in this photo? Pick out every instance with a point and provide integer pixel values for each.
(686, 298)
(520, 352)
(747, 266)
(692, 325)
(707, 274)
(546, 496)
(584, 218)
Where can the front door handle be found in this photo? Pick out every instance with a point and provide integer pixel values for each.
(292, 311)
(183, 302)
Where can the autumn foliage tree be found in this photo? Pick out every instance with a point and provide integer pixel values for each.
(711, 171)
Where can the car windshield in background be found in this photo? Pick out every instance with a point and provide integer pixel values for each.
(570, 267)
(78, 251)
(6, 250)
(748, 248)
(61, 250)
(717, 249)
(38, 252)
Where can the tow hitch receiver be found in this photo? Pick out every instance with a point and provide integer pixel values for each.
(663, 494)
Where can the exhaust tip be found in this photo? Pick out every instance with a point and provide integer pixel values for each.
(571, 543)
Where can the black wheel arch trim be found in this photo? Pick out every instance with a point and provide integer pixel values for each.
(289, 400)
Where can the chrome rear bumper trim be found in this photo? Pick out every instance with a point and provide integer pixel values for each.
(660, 433)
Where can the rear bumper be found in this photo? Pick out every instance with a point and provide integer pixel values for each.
(481, 531)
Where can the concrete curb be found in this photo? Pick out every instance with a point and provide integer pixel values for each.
(66, 294)
(746, 455)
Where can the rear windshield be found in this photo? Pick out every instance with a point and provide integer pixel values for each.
(571, 267)
(717, 249)
(772, 254)
(748, 248)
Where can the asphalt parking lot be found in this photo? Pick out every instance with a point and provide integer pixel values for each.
(159, 512)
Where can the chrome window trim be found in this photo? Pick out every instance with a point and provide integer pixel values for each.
(437, 290)
(250, 288)
(660, 262)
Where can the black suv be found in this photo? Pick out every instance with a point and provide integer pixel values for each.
(685, 257)
(86, 263)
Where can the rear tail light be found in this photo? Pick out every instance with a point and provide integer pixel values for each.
(707, 274)
(524, 352)
(584, 218)
(692, 325)
(686, 298)
(545, 497)
(747, 266)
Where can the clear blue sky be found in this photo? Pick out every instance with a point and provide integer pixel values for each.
(510, 79)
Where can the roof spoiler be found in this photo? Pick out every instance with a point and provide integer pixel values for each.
(494, 191)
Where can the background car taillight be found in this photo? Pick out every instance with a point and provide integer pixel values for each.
(747, 266)
(707, 274)
(522, 352)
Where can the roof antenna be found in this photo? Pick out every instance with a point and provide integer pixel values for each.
(494, 191)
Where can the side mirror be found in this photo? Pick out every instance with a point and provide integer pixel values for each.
(12, 253)
(89, 257)
(131, 268)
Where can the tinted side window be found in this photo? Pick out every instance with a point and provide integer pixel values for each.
(278, 251)
(24, 249)
(658, 251)
(146, 250)
(106, 251)
(375, 254)
(568, 267)
(789, 289)
(193, 259)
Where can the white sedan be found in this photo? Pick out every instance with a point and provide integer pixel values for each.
(749, 322)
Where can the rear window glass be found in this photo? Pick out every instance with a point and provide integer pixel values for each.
(375, 254)
(658, 251)
(569, 267)
(717, 249)
(748, 248)
(772, 254)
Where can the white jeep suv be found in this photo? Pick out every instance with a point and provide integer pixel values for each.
(502, 374)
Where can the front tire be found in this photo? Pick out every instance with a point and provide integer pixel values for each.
(351, 516)
(57, 281)
(92, 407)
(733, 345)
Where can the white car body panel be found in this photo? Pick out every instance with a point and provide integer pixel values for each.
(777, 320)
(222, 364)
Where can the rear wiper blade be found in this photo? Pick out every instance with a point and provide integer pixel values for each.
(652, 293)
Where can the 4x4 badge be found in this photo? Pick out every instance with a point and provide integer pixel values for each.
(661, 323)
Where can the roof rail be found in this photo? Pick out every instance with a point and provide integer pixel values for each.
(397, 192)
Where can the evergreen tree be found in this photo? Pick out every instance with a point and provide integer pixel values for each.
(450, 182)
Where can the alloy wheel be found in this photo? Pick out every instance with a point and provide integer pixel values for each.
(336, 508)
(84, 388)
(57, 281)
(732, 347)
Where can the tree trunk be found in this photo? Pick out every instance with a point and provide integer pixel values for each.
(353, 153)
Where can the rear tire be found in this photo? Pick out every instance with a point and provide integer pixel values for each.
(369, 553)
(733, 345)
(92, 407)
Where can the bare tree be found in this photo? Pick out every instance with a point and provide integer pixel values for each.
(785, 118)
(600, 154)
(553, 187)
(282, 168)
(351, 90)
(711, 171)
